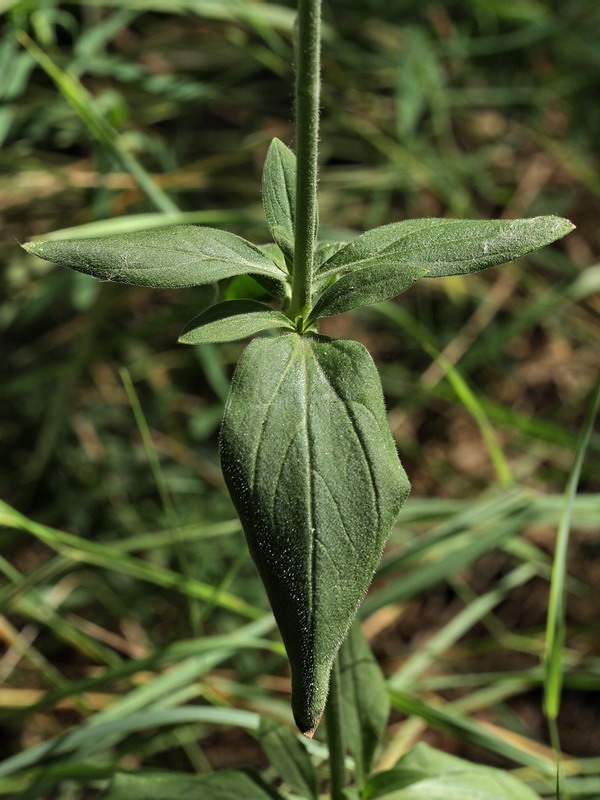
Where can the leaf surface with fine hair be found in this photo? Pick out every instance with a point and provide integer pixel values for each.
(171, 257)
(231, 320)
(444, 247)
(364, 287)
(279, 195)
(426, 773)
(312, 469)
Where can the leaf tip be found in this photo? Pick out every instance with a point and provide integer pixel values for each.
(556, 226)
(277, 142)
(308, 728)
(564, 224)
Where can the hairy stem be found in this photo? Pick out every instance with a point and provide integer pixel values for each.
(308, 86)
(335, 735)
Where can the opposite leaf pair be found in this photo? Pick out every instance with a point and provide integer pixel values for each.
(374, 267)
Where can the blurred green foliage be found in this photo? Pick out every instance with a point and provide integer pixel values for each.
(483, 108)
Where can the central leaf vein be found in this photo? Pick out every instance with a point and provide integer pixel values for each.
(310, 497)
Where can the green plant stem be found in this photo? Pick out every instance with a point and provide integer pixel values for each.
(308, 86)
(335, 735)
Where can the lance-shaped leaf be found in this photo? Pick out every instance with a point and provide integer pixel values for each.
(231, 320)
(169, 257)
(365, 286)
(365, 700)
(289, 757)
(313, 471)
(225, 785)
(279, 194)
(426, 773)
(447, 246)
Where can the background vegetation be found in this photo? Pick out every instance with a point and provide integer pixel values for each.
(135, 630)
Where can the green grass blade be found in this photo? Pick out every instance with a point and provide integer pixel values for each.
(445, 719)
(470, 401)
(149, 448)
(272, 14)
(79, 549)
(83, 104)
(489, 510)
(33, 605)
(207, 648)
(81, 737)
(210, 360)
(443, 567)
(140, 222)
(465, 394)
(458, 626)
(556, 626)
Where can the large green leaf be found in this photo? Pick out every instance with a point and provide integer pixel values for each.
(365, 286)
(313, 471)
(169, 257)
(447, 246)
(226, 785)
(279, 194)
(365, 700)
(428, 774)
(231, 320)
(289, 757)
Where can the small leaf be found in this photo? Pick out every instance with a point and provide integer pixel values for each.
(312, 469)
(428, 774)
(231, 320)
(365, 286)
(169, 257)
(275, 254)
(225, 785)
(274, 286)
(447, 246)
(289, 757)
(366, 704)
(244, 287)
(279, 194)
(325, 250)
